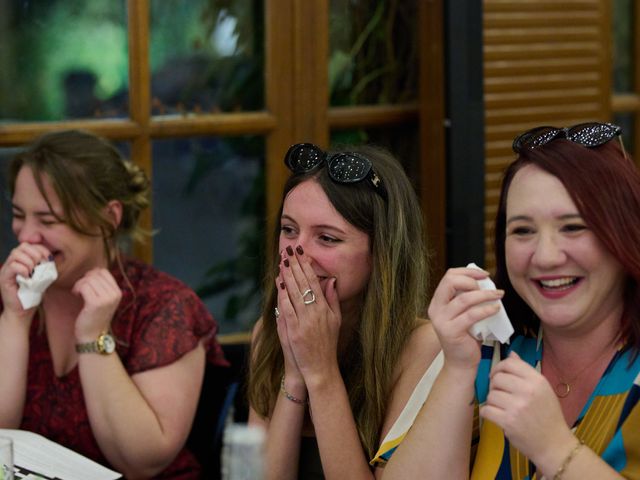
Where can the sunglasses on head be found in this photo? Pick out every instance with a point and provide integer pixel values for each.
(343, 167)
(591, 134)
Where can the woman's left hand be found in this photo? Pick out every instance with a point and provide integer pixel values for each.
(101, 295)
(313, 327)
(522, 402)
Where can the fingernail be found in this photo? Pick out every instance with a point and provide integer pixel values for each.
(286, 262)
(299, 250)
(289, 251)
(51, 258)
(282, 285)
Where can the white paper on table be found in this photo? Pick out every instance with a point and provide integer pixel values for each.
(31, 289)
(497, 326)
(35, 454)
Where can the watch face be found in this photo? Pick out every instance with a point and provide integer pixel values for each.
(106, 343)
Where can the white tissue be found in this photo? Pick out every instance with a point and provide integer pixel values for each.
(31, 289)
(496, 327)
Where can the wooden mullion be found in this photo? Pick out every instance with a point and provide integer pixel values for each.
(279, 102)
(311, 71)
(21, 133)
(140, 103)
(245, 123)
(432, 134)
(372, 115)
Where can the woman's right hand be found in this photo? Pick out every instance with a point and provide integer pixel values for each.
(291, 370)
(21, 261)
(457, 304)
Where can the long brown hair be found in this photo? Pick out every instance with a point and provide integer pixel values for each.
(394, 298)
(604, 183)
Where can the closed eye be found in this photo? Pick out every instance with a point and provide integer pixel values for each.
(329, 239)
(520, 231)
(288, 231)
(574, 227)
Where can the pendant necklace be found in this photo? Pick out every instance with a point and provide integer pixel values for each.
(563, 387)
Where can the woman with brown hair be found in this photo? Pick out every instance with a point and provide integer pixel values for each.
(341, 342)
(110, 364)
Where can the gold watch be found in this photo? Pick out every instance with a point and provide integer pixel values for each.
(104, 345)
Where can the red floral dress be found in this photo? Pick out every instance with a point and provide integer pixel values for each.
(159, 319)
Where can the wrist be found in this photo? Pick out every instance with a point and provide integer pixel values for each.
(20, 322)
(461, 373)
(323, 379)
(556, 456)
(296, 395)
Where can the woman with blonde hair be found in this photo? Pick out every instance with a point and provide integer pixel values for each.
(341, 342)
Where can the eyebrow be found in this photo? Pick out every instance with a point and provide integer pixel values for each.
(525, 218)
(320, 226)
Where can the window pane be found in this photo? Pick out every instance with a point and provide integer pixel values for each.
(623, 55)
(207, 56)
(401, 140)
(208, 208)
(64, 59)
(627, 122)
(373, 57)
(7, 240)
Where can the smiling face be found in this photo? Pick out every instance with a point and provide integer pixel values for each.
(335, 247)
(554, 261)
(34, 222)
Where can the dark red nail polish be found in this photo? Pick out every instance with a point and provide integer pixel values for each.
(286, 262)
(299, 250)
(282, 285)
(289, 251)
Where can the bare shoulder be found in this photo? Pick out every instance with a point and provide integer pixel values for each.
(422, 347)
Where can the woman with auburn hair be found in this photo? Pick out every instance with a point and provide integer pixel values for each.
(561, 400)
(341, 342)
(110, 363)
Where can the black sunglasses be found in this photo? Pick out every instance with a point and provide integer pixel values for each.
(591, 134)
(344, 167)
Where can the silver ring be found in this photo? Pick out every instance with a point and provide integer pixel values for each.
(276, 312)
(308, 293)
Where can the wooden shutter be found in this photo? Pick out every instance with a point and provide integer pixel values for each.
(546, 62)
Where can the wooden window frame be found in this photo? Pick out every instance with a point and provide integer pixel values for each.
(630, 102)
(296, 107)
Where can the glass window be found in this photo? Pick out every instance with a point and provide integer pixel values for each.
(623, 51)
(206, 56)
(627, 122)
(62, 60)
(208, 209)
(373, 57)
(7, 240)
(401, 140)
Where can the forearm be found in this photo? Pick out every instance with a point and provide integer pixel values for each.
(14, 358)
(438, 444)
(282, 445)
(338, 440)
(128, 431)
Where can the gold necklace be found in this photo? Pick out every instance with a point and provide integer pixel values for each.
(563, 387)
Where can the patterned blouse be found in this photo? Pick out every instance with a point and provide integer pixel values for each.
(609, 423)
(159, 319)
